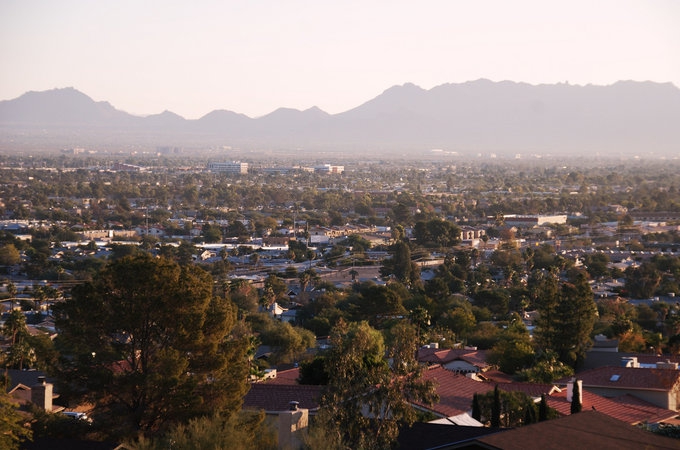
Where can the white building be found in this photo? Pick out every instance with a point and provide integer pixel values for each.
(228, 167)
(328, 168)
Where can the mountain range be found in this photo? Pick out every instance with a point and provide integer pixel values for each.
(506, 118)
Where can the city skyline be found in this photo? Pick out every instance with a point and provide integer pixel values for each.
(254, 58)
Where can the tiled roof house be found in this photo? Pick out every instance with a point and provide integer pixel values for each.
(660, 387)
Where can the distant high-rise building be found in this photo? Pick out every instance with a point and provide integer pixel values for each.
(228, 167)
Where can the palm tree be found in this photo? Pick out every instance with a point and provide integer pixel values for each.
(12, 290)
(306, 278)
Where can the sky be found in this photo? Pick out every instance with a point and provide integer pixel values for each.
(254, 56)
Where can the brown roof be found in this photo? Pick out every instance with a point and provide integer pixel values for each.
(626, 408)
(585, 430)
(631, 378)
(456, 391)
(277, 397)
(288, 377)
(435, 356)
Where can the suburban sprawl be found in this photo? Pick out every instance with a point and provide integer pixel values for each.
(243, 299)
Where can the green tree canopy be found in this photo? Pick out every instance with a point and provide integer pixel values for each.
(151, 344)
(566, 318)
(366, 397)
(436, 233)
(9, 255)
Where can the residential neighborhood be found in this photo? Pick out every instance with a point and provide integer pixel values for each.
(548, 285)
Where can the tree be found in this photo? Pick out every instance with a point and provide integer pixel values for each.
(496, 300)
(366, 397)
(212, 233)
(375, 303)
(245, 430)
(9, 255)
(543, 409)
(576, 313)
(401, 266)
(641, 282)
(151, 344)
(496, 408)
(505, 409)
(298, 251)
(12, 430)
(306, 278)
(20, 354)
(314, 372)
(567, 313)
(12, 291)
(576, 405)
(546, 369)
(436, 233)
(476, 408)
(514, 350)
(289, 342)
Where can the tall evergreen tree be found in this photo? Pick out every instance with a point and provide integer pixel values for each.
(476, 409)
(567, 316)
(496, 408)
(543, 409)
(576, 405)
(530, 415)
(150, 343)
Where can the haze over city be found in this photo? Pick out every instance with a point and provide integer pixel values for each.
(254, 57)
(267, 225)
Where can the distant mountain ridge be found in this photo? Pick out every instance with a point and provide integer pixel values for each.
(478, 116)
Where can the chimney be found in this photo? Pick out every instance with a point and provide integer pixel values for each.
(570, 390)
(629, 361)
(292, 424)
(41, 394)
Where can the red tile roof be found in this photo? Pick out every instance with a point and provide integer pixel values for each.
(631, 378)
(435, 356)
(277, 397)
(585, 430)
(288, 377)
(456, 391)
(626, 408)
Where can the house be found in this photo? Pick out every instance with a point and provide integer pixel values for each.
(287, 405)
(626, 408)
(456, 391)
(602, 344)
(468, 233)
(31, 387)
(659, 386)
(465, 360)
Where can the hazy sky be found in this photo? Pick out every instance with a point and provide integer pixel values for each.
(253, 56)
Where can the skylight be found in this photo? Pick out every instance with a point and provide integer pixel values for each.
(615, 377)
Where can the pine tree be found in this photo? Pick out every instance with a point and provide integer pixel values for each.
(567, 315)
(476, 409)
(576, 405)
(543, 409)
(152, 345)
(496, 408)
(530, 415)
